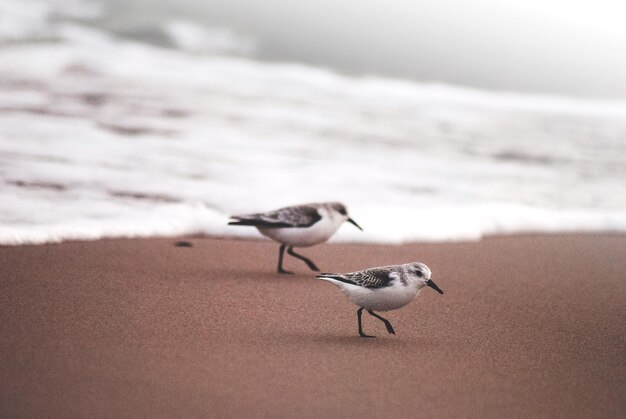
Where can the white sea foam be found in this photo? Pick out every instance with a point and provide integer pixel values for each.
(28, 20)
(104, 137)
(199, 39)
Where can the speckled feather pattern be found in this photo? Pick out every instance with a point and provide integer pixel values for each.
(294, 216)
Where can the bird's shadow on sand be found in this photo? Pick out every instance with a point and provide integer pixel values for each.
(354, 340)
(255, 275)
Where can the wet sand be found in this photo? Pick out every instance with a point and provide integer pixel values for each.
(529, 326)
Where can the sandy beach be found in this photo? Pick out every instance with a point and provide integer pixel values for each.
(529, 326)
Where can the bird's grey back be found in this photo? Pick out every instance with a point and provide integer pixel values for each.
(377, 277)
(295, 216)
(368, 278)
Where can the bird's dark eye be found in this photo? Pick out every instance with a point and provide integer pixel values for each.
(343, 211)
(419, 274)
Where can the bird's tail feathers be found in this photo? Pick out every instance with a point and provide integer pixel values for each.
(256, 222)
(326, 275)
(243, 223)
(334, 278)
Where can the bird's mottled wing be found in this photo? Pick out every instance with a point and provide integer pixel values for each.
(296, 216)
(369, 278)
(299, 216)
(372, 278)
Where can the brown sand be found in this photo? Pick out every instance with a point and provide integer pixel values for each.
(531, 326)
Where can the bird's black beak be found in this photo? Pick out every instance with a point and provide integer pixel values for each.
(351, 221)
(434, 286)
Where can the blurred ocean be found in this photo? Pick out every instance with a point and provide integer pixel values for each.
(110, 136)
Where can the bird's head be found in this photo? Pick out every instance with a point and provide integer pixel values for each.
(421, 275)
(341, 209)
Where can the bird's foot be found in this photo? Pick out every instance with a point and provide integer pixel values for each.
(282, 271)
(390, 329)
(363, 335)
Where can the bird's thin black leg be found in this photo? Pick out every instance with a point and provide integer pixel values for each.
(387, 323)
(358, 314)
(281, 253)
(308, 261)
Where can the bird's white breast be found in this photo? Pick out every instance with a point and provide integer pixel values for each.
(381, 299)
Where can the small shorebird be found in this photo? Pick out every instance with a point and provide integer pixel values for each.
(383, 289)
(298, 226)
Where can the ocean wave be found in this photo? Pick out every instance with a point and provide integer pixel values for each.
(102, 136)
(34, 20)
(199, 39)
(381, 224)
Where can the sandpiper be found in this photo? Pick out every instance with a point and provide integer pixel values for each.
(298, 226)
(383, 289)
